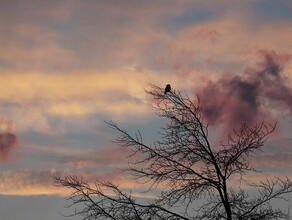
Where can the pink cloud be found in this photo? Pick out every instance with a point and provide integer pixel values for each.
(8, 141)
(251, 97)
(209, 35)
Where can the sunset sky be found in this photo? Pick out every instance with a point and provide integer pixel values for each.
(66, 66)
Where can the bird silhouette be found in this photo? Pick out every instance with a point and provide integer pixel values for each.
(167, 89)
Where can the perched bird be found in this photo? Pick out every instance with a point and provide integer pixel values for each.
(167, 89)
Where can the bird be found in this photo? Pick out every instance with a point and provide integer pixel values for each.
(167, 89)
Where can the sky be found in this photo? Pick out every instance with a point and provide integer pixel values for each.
(66, 66)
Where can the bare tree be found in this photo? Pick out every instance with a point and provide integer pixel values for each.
(193, 174)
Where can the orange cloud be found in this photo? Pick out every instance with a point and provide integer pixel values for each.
(28, 182)
(31, 98)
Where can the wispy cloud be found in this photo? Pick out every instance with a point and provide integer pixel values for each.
(102, 158)
(26, 182)
(30, 182)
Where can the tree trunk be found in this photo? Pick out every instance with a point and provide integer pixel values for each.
(228, 212)
(226, 203)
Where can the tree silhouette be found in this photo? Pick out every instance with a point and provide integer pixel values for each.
(193, 174)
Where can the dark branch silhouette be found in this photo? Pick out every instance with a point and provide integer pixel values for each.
(188, 167)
